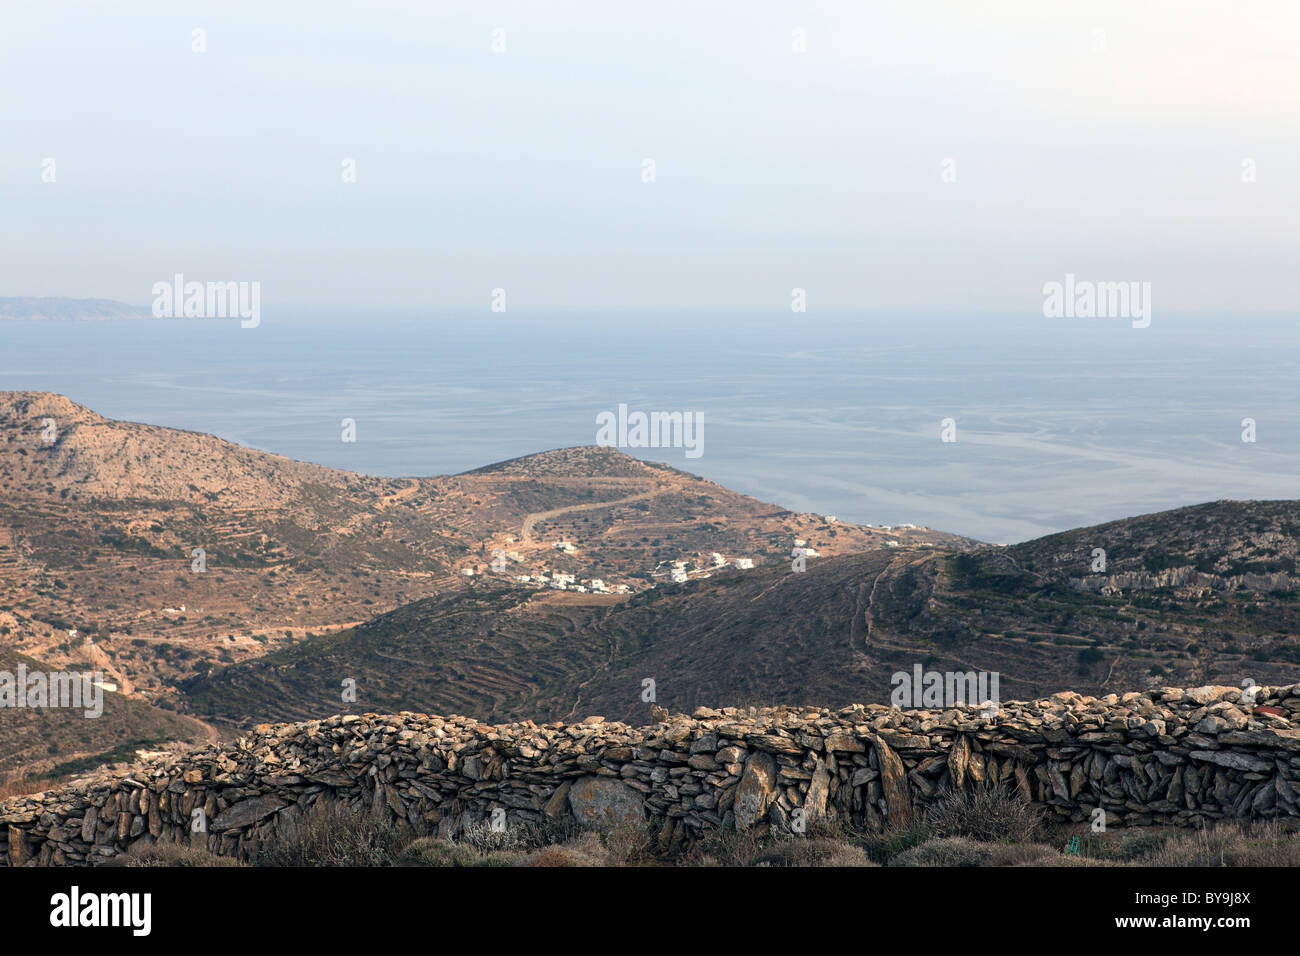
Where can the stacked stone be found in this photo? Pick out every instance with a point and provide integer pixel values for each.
(1169, 756)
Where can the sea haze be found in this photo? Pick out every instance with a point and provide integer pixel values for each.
(1060, 422)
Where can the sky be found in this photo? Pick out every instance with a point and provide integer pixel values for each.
(949, 156)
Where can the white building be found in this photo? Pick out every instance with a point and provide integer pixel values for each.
(745, 564)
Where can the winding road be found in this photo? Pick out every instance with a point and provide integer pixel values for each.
(537, 516)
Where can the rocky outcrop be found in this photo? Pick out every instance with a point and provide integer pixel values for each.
(1185, 578)
(1170, 757)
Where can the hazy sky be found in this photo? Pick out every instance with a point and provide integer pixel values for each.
(1101, 138)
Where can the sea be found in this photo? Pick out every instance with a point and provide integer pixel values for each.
(1001, 428)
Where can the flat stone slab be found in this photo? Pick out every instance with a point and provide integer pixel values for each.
(246, 812)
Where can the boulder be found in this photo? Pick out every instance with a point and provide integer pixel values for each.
(605, 803)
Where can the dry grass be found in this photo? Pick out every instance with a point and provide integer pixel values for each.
(331, 834)
(23, 786)
(170, 854)
(813, 851)
(963, 851)
(1231, 843)
(432, 851)
(585, 849)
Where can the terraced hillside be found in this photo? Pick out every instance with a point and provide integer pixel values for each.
(763, 636)
(1205, 594)
(831, 635)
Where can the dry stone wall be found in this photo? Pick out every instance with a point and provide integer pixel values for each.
(1168, 757)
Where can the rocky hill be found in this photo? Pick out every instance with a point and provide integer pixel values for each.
(51, 446)
(1195, 552)
(1200, 594)
(177, 552)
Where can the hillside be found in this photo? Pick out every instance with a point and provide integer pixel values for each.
(35, 740)
(1205, 594)
(829, 636)
(100, 521)
(89, 457)
(764, 636)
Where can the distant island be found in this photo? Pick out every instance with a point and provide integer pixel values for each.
(52, 308)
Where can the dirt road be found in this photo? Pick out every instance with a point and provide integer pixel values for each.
(537, 516)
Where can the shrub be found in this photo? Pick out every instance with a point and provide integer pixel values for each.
(517, 837)
(332, 834)
(883, 847)
(944, 851)
(1088, 657)
(988, 812)
(584, 850)
(725, 847)
(628, 846)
